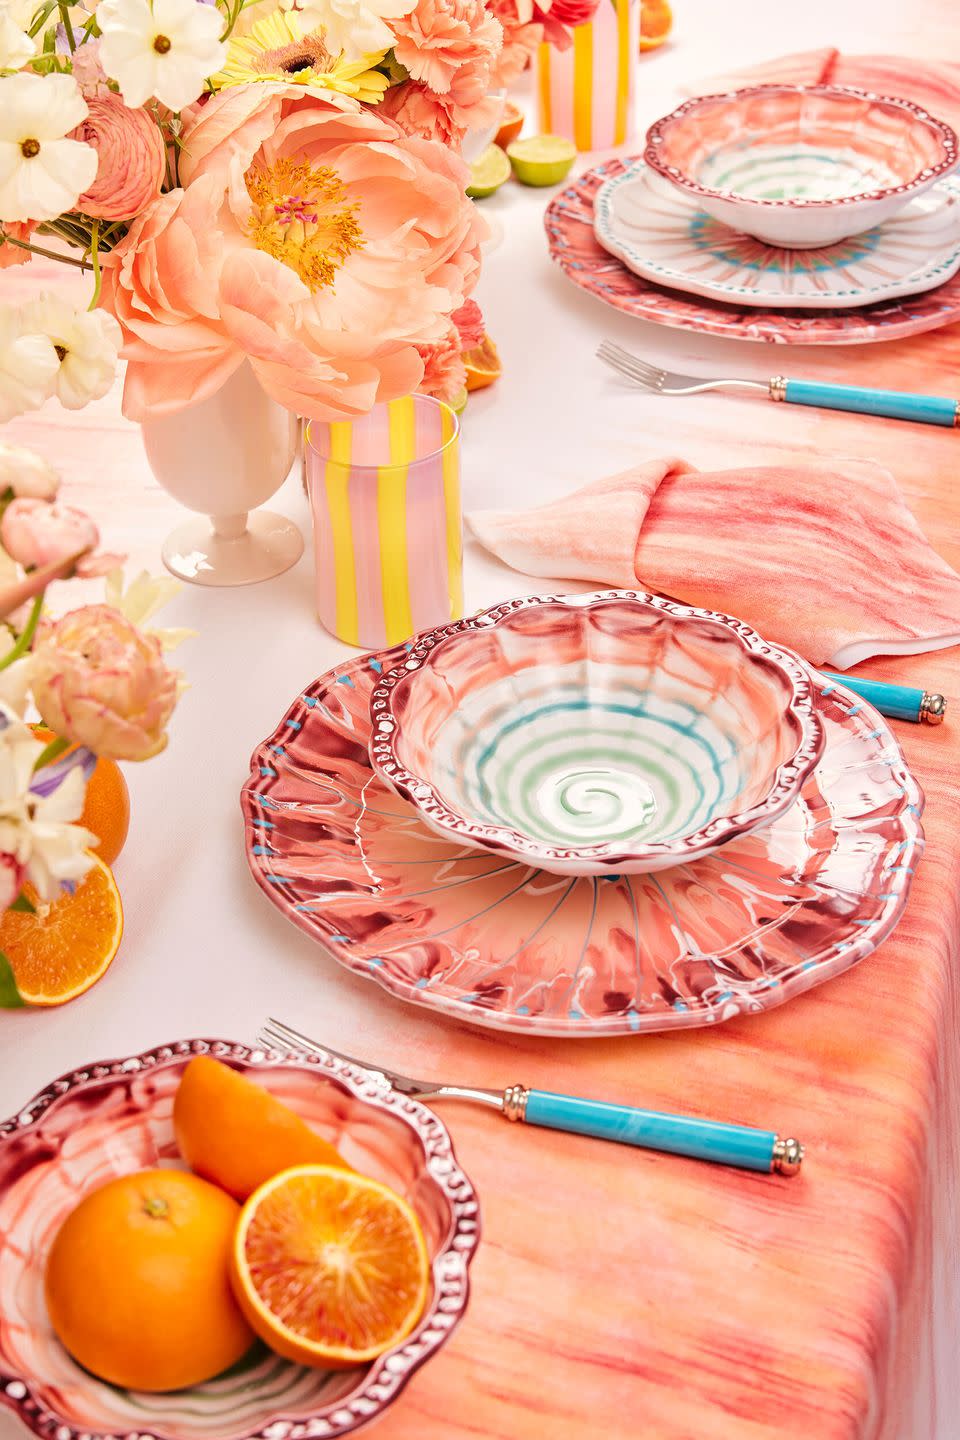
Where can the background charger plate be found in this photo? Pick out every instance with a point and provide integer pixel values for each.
(663, 235)
(569, 224)
(495, 943)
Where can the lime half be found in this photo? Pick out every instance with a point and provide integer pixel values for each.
(488, 173)
(542, 159)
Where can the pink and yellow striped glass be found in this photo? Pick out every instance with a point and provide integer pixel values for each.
(385, 495)
(587, 92)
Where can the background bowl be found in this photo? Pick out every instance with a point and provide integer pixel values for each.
(113, 1118)
(801, 165)
(596, 734)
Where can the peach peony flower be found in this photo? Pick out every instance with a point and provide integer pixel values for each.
(36, 533)
(312, 237)
(438, 37)
(444, 373)
(131, 155)
(99, 681)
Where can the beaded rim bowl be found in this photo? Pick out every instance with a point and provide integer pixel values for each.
(415, 699)
(115, 1116)
(865, 156)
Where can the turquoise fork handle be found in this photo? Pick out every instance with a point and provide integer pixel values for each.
(894, 404)
(899, 702)
(653, 1130)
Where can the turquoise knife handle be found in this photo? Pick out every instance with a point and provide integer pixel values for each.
(895, 404)
(653, 1130)
(899, 702)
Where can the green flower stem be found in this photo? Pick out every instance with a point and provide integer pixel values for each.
(53, 752)
(64, 8)
(25, 638)
(42, 250)
(95, 262)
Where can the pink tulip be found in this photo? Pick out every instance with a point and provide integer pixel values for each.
(37, 533)
(99, 681)
(132, 159)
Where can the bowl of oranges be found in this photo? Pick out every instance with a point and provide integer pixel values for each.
(209, 1240)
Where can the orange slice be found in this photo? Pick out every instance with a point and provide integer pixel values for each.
(330, 1268)
(63, 949)
(511, 124)
(234, 1132)
(482, 364)
(656, 22)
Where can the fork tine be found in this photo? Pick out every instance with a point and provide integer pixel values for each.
(630, 363)
(276, 1033)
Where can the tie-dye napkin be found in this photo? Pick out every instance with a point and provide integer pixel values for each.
(826, 559)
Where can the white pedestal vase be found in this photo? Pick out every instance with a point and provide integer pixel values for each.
(224, 457)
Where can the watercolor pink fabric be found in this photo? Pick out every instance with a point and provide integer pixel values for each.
(860, 579)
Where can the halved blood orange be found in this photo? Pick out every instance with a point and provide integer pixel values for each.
(483, 364)
(330, 1268)
(61, 950)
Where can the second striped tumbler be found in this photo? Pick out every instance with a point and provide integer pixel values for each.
(588, 91)
(385, 494)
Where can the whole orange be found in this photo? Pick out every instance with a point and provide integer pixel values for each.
(235, 1133)
(137, 1282)
(106, 807)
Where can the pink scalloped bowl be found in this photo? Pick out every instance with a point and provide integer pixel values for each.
(801, 165)
(115, 1117)
(608, 733)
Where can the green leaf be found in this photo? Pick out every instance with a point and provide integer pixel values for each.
(22, 903)
(10, 997)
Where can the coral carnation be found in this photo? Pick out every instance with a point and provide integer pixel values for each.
(439, 37)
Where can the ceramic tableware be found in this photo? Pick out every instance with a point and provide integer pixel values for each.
(501, 945)
(115, 1117)
(801, 165)
(569, 223)
(664, 235)
(596, 734)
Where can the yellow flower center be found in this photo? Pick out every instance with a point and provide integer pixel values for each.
(29, 148)
(303, 218)
(162, 45)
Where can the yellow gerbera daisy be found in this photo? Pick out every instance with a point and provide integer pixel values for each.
(277, 49)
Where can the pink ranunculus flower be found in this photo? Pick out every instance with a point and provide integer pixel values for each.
(36, 533)
(99, 681)
(311, 237)
(132, 159)
(444, 373)
(438, 37)
(469, 322)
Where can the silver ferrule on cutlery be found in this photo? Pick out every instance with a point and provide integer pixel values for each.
(711, 1140)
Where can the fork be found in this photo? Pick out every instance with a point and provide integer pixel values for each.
(894, 404)
(649, 1129)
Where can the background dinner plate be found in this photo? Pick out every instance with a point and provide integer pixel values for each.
(487, 940)
(663, 235)
(569, 224)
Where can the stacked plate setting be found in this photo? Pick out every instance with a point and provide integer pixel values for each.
(810, 203)
(586, 815)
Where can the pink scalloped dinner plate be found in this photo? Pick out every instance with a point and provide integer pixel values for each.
(497, 943)
(115, 1117)
(569, 222)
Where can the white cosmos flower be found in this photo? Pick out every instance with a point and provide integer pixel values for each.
(16, 46)
(41, 172)
(354, 26)
(27, 474)
(86, 343)
(161, 48)
(35, 828)
(28, 366)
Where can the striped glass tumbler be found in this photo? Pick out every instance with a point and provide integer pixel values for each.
(588, 92)
(385, 495)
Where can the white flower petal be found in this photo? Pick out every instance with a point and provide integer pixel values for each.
(176, 78)
(91, 341)
(16, 47)
(28, 373)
